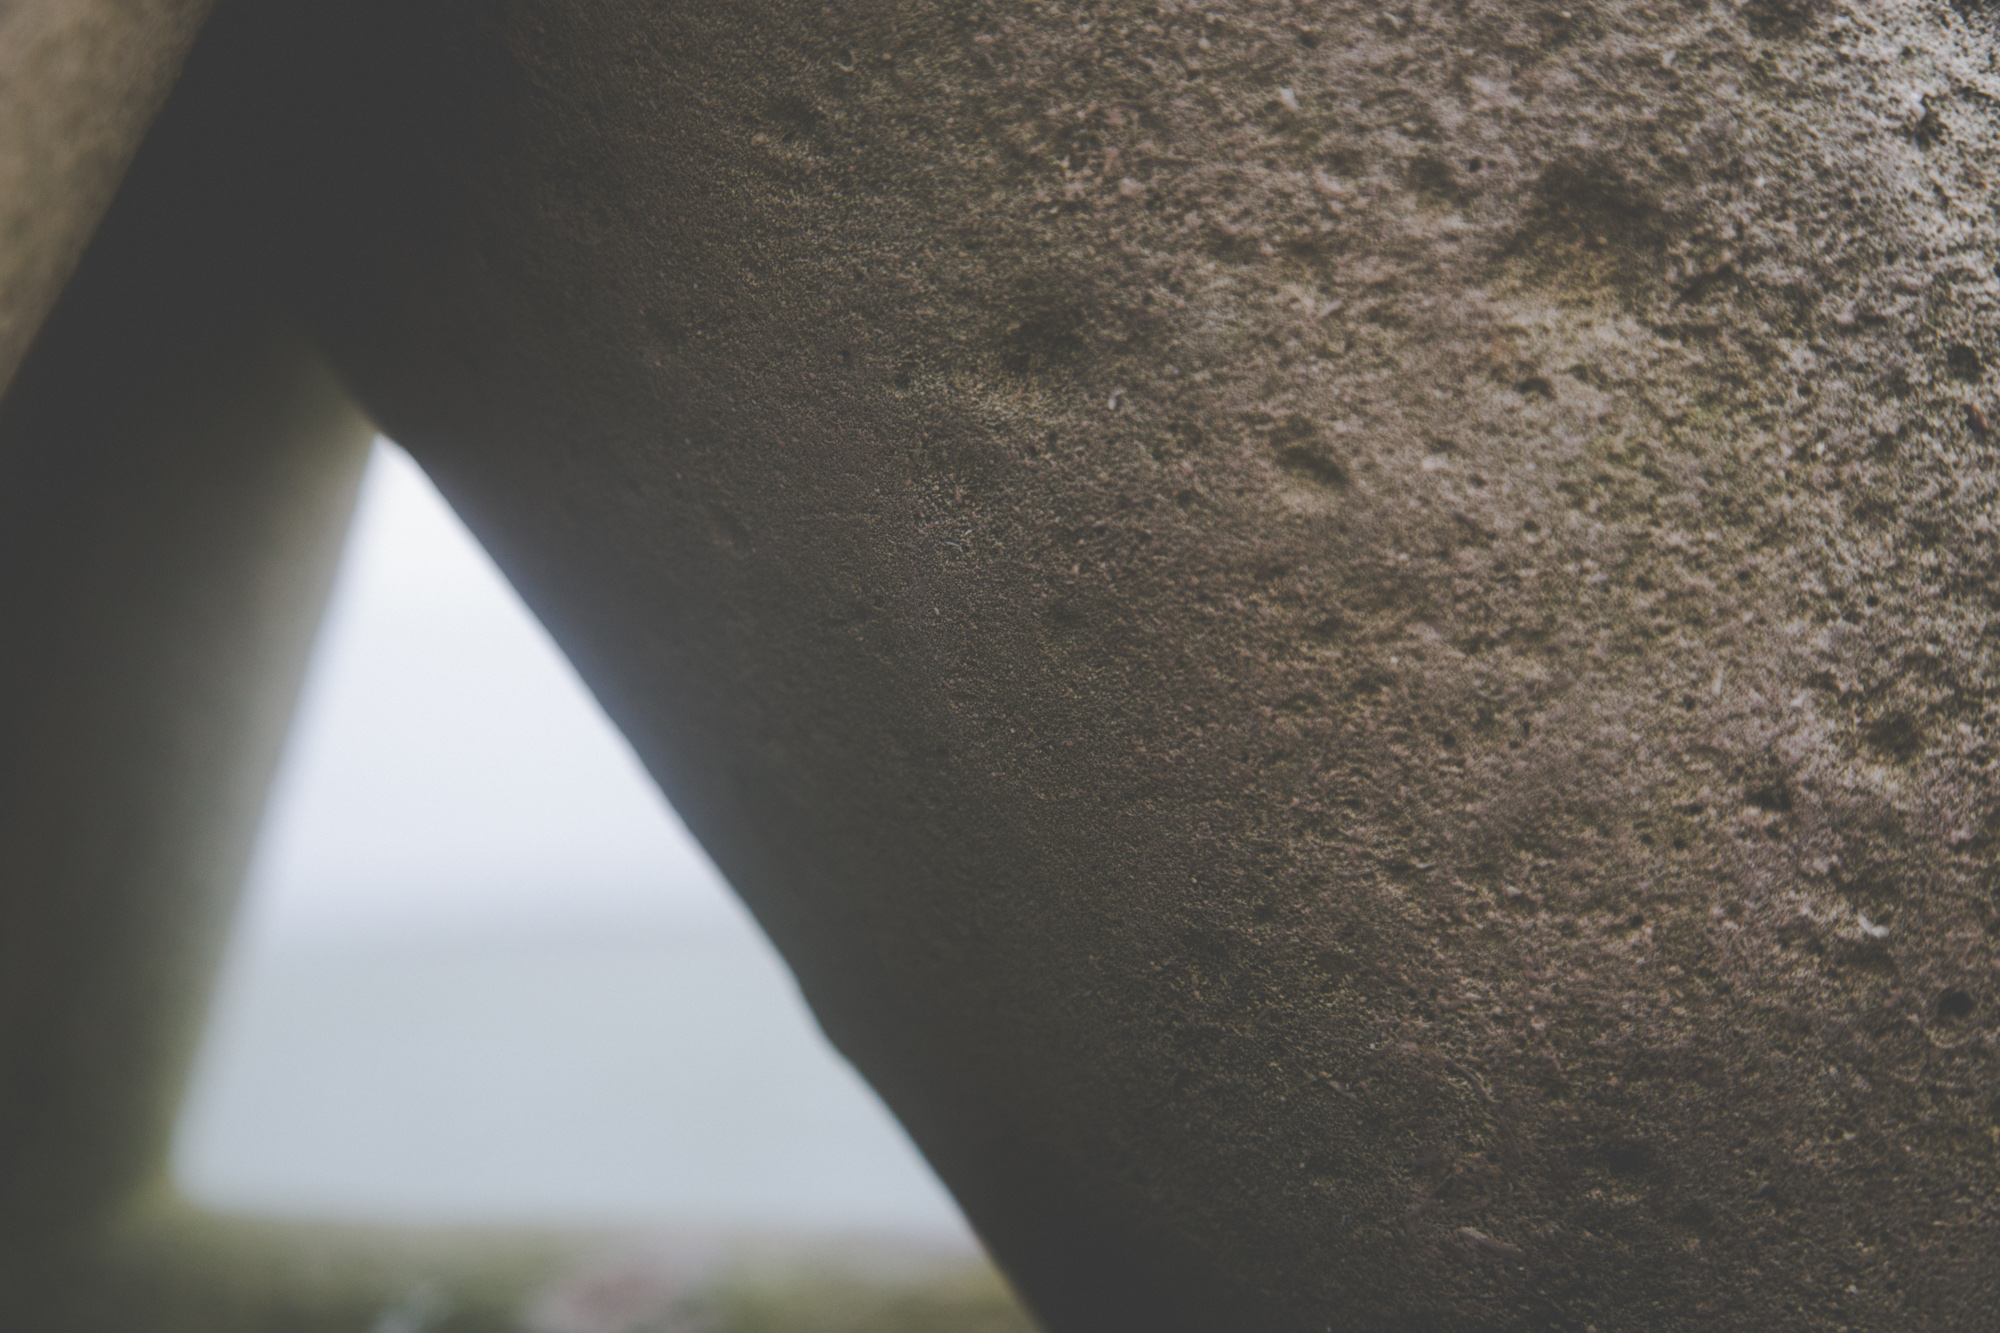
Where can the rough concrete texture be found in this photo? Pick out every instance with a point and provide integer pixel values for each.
(1348, 646)
(80, 81)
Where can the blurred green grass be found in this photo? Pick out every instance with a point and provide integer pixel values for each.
(974, 1300)
(170, 1270)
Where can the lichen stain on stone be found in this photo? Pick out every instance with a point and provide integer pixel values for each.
(1589, 234)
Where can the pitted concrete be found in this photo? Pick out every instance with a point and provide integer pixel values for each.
(1347, 646)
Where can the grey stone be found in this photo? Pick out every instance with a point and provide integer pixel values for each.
(1348, 648)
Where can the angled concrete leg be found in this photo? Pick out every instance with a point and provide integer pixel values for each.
(176, 472)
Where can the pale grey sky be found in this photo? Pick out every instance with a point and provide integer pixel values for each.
(483, 974)
(447, 766)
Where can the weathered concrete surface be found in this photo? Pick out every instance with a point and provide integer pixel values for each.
(80, 81)
(1348, 647)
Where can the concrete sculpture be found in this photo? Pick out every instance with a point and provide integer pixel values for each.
(1349, 647)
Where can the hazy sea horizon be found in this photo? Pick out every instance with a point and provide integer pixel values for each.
(573, 1074)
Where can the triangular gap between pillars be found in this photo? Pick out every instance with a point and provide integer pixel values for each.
(483, 975)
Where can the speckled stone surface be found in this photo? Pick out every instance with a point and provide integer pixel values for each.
(80, 81)
(1349, 647)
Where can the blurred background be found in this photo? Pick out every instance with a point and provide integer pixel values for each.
(484, 977)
